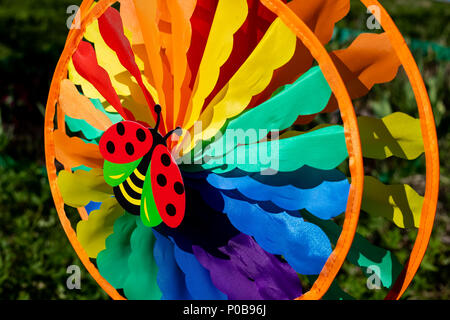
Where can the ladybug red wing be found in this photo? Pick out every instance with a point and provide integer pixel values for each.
(125, 142)
(167, 186)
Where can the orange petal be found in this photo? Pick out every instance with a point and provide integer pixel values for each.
(181, 12)
(320, 16)
(130, 21)
(148, 15)
(73, 152)
(201, 22)
(369, 60)
(78, 106)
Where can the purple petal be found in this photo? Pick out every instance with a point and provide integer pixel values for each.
(250, 273)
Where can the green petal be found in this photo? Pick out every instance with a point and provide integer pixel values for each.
(307, 95)
(141, 282)
(113, 261)
(323, 148)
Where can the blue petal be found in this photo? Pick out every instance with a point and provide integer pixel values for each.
(304, 245)
(91, 206)
(326, 200)
(198, 279)
(170, 277)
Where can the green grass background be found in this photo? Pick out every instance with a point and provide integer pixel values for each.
(34, 251)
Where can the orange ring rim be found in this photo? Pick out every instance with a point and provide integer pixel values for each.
(429, 136)
(348, 115)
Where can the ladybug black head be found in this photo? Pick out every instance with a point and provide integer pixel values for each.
(178, 131)
(158, 113)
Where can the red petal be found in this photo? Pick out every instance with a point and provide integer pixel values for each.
(85, 62)
(111, 29)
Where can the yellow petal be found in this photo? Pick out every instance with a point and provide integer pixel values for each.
(274, 50)
(229, 17)
(92, 233)
(81, 187)
(107, 58)
(397, 134)
(398, 203)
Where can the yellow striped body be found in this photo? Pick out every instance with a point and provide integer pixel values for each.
(129, 192)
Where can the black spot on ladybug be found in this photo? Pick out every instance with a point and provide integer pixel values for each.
(165, 159)
(129, 148)
(110, 147)
(170, 209)
(140, 135)
(120, 128)
(178, 187)
(161, 179)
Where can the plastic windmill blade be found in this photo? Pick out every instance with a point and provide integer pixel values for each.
(181, 130)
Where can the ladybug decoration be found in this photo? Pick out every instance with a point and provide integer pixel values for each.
(144, 175)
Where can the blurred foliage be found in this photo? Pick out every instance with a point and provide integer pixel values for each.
(420, 19)
(33, 35)
(34, 251)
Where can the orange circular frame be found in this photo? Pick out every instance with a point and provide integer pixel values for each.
(337, 257)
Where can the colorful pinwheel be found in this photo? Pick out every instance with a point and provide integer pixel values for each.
(180, 130)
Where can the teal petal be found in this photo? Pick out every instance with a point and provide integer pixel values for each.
(323, 148)
(371, 259)
(91, 133)
(141, 283)
(112, 262)
(307, 95)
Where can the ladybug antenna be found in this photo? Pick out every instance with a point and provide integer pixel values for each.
(158, 112)
(178, 131)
